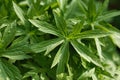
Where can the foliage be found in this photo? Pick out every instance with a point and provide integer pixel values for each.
(58, 40)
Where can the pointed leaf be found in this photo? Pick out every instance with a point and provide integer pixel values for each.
(62, 4)
(53, 46)
(85, 53)
(116, 39)
(57, 58)
(9, 34)
(87, 74)
(19, 12)
(42, 46)
(63, 59)
(15, 55)
(115, 32)
(82, 6)
(99, 49)
(9, 71)
(77, 28)
(60, 22)
(103, 7)
(45, 27)
(108, 15)
(92, 34)
(91, 10)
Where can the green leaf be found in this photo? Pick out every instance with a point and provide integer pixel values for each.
(64, 57)
(44, 76)
(108, 15)
(70, 77)
(60, 22)
(91, 10)
(62, 4)
(56, 58)
(77, 28)
(103, 7)
(53, 46)
(9, 71)
(85, 53)
(19, 12)
(15, 55)
(59, 54)
(35, 77)
(87, 74)
(115, 32)
(9, 34)
(45, 27)
(20, 43)
(116, 39)
(108, 27)
(82, 6)
(99, 48)
(92, 34)
(42, 46)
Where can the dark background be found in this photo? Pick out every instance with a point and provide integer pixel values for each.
(115, 5)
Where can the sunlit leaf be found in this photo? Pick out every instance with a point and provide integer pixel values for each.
(64, 57)
(85, 53)
(15, 55)
(60, 22)
(19, 12)
(52, 46)
(92, 34)
(42, 46)
(45, 27)
(9, 34)
(87, 74)
(62, 4)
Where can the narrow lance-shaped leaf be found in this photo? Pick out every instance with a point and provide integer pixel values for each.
(82, 6)
(63, 58)
(57, 58)
(115, 33)
(52, 46)
(103, 7)
(109, 27)
(15, 55)
(9, 71)
(116, 39)
(60, 22)
(70, 72)
(108, 15)
(62, 4)
(45, 27)
(87, 74)
(42, 46)
(99, 49)
(91, 10)
(98, 46)
(19, 12)
(85, 53)
(9, 34)
(77, 28)
(92, 34)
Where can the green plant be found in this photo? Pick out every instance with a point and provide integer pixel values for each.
(58, 40)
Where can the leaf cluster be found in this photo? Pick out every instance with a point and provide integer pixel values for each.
(58, 40)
